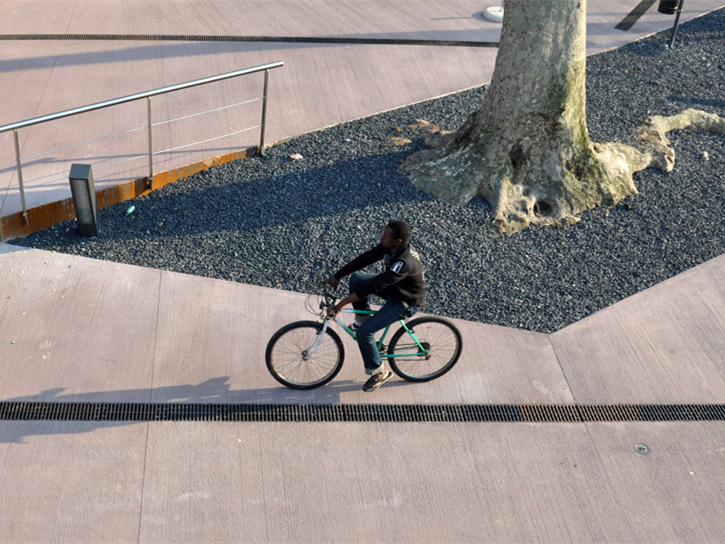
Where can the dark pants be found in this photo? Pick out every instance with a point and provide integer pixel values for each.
(392, 311)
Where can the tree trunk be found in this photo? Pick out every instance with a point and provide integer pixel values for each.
(527, 150)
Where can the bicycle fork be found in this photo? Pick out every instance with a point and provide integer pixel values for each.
(310, 351)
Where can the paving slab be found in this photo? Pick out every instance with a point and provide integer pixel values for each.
(674, 493)
(377, 483)
(281, 482)
(297, 104)
(216, 333)
(302, 482)
(663, 345)
(71, 481)
(89, 331)
(75, 329)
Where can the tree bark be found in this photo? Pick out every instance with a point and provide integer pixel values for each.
(527, 150)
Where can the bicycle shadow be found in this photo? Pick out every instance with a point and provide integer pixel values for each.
(212, 391)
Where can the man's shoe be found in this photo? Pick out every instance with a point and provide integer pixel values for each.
(377, 380)
(354, 326)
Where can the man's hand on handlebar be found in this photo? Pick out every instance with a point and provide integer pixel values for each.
(332, 311)
(337, 308)
(332, 281)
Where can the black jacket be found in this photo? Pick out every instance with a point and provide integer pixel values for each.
(403, 278)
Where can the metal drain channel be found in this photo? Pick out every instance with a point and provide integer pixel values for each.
(268, 39)
(392, 413)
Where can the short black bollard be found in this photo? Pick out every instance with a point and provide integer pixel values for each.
(84, 199)
(668, 7)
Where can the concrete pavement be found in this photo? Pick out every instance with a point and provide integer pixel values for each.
(76, 330)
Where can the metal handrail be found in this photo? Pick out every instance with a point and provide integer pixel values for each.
(131, 98)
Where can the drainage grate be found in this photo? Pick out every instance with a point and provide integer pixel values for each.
(408, 413)
(272, 39)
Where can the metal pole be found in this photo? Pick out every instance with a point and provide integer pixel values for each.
(264, 112)
(677, 22)
(20, 177)
(151, 145)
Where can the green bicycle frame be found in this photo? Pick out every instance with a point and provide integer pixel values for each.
(349, 331)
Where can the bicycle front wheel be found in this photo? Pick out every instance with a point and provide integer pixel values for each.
(298, 357)
(436, 351)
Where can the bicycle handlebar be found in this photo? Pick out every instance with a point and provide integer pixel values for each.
(329, 299)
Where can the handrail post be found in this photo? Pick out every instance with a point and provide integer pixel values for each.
(151, 146)
(264, 112)
(20, 176)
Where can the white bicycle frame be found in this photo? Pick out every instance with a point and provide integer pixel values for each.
(316, 344)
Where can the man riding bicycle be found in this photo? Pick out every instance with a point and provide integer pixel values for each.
(402, 285)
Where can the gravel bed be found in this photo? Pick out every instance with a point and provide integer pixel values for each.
(283, 223)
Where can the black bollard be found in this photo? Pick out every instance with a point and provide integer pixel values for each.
(668, 7)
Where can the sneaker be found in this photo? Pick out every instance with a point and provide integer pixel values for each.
(354, 326)
(377, 380)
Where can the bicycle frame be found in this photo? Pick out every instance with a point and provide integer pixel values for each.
(313, 348)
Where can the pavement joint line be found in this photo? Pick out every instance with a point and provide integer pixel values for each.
(274, 39)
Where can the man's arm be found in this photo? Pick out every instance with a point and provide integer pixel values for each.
(335, 310)
(375, 285)
(361, 261)
(331, 281)
(382, 281)
(369, 257)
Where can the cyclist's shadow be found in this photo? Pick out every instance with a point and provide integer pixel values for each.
(211, 391)
(330, 393)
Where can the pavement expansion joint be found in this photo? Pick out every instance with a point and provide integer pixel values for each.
(261, 39)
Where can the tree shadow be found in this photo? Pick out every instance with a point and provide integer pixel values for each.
(240, 198)
(698, 102)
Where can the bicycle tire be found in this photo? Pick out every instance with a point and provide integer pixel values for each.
(440, 337)
(286, 361)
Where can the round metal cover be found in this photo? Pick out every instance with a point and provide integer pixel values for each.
(641, 449)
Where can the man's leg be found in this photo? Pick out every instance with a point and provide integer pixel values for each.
(356, 280)
(392, 311)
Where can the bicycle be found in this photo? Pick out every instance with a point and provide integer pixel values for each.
(309, 354)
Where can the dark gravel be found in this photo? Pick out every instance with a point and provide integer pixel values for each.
(276, 222)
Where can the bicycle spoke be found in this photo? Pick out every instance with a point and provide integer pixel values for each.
(297, 356)
(294, 365)
(440, 349)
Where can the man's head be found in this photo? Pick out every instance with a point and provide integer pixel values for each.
(395, 235)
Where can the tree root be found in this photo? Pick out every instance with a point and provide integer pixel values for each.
(652, 135)
(457, 169)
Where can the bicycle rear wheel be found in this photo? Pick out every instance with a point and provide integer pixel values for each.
(441, 342)
(296, 359)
